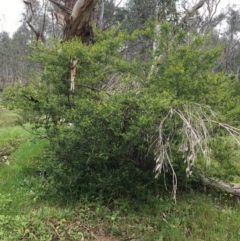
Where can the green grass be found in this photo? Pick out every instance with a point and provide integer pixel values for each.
(8, 118)
(25, 214)
(18, 167)
(195, 217)
(20, 180)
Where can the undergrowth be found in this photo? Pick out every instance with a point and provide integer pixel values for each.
(26, 213)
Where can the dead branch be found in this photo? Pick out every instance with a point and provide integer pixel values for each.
(38, 32)
(225, 187)
(195, 127)
(191, 12)
(73, 73)
(60, 7)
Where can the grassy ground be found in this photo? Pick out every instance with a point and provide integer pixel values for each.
(26, 215)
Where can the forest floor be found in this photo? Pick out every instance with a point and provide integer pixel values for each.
(25, 214)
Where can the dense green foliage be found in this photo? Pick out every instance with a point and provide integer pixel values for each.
(86, 169)
(109, 148)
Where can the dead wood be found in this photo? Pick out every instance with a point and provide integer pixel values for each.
(191, 12)
(233, 189)
(73, 73)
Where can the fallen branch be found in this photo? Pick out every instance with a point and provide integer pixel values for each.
(193, 124)
(225, 187)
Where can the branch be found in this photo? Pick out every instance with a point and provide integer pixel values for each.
(38, 33)
(60, 7)
(231, 189)
(191, 12)
(61, 12)
(93, 88)
(30, 11)
(70, 3)
(194, 128)
(44, 20)
(101, 16)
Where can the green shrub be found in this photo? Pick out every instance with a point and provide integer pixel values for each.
(112, 144)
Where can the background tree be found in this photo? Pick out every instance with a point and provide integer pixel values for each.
(15, 66)
(230, 58)
(5, 61)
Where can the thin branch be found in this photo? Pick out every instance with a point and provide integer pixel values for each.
(92, 88)
(101, 16)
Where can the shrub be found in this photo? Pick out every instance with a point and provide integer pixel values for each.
(125, 122)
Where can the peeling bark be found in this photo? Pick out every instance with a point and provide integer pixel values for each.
(76, 17)
(73, 73)
(61, 12)
(79, 20)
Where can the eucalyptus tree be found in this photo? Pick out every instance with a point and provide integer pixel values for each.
(5, 60)
(230, 61)
(21, 65)
(139, 12)
(110, 13)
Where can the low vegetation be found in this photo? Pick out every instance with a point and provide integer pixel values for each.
(27, 213)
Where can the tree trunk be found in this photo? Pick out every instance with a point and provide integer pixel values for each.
(76, 17)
